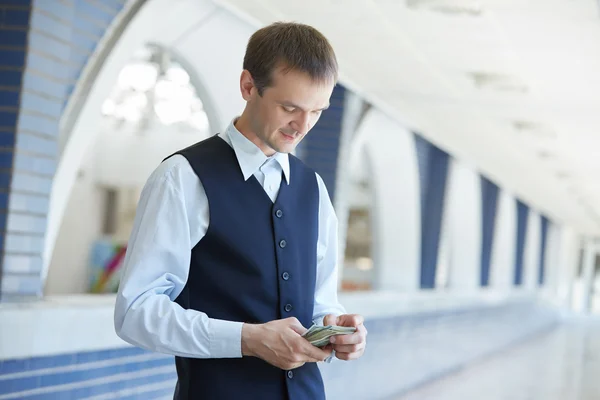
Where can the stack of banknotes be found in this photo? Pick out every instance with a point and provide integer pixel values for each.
(319, 335)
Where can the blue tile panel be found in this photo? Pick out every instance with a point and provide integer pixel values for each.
(433, 173)
(320, 148)
(14, 23)
(543, 241)
(126, 370)
(403, 352)
(44, 46)
(489, 205)
(406, 352)
(520, 236)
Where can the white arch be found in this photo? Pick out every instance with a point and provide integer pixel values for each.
(464, 226)
(396, 207)
(353, 106)
(187, 28)
(504, 245)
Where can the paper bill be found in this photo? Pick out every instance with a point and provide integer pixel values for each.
(319, 335)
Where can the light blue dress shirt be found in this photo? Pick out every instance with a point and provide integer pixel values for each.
(172, 217)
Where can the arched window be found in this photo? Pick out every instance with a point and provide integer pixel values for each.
(153, 110)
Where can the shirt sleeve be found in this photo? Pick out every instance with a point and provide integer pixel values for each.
(156, 269)
(326, 298)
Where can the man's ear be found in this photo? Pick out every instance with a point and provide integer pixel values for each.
(247, 85)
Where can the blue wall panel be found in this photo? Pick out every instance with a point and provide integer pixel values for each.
(320, 148)
(433, 172)
(489, 205)
(44, 47)
(521, 234)
(74, 376)
(543, 240)
(12, 64)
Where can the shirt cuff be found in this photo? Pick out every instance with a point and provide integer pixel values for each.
(331, 357)
(225, 339)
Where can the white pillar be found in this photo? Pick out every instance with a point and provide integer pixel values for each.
(590, 252)
(464, 226)
(552, 255)
(396, 212)
(531, 262)
(503, 249)
(353, 106)
(568, 262)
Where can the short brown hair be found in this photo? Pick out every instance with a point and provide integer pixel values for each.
(292, 46)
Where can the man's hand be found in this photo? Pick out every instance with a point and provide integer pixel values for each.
(280, 344)
(348, 347)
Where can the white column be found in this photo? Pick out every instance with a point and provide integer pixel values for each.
(353, 105)
(464, 226)
(590, 252)
(552, 259)
(531, 262)
(396, 208)
(502, 270)
(568, 263)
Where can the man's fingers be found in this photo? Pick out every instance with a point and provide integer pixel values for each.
(327, 348)
(348, 356)
(350, 320)
(296, 326)
(316, 353)
(355, 338)
(330, 319)
(348, 348)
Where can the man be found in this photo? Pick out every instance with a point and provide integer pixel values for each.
(234, 247)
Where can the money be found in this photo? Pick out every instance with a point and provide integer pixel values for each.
(319, 335)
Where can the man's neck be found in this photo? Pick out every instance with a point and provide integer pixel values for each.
(243, 126)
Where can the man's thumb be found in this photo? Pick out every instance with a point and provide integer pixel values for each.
(330, 319)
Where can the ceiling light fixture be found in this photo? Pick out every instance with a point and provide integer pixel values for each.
(471, 8)
(563, 174)
(534, 129)
(498, 82)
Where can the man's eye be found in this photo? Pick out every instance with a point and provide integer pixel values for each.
(289, 109)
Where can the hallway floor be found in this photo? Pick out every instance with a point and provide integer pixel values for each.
(563, 364)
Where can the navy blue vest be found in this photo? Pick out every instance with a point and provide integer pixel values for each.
(256, 263)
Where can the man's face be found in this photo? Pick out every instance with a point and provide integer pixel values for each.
(287, 109)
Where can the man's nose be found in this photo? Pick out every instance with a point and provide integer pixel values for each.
(301, 123)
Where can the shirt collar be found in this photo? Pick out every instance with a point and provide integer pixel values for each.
(249, 156)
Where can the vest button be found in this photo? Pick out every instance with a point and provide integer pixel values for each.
(288, 307)
(290, 374)
(279, 213)
(282, 243)
(285, 276)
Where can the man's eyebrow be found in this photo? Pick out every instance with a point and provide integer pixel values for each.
(290, 104)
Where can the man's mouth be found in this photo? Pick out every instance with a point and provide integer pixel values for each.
(288, 136)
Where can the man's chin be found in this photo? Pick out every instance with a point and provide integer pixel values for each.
(284, 148)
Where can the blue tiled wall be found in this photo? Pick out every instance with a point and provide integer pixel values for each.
(402, 352)
(543, 240)
(44, 46)
(489, 202)
(433, 173)
(125, 373)
(405, 352)
(520, 236)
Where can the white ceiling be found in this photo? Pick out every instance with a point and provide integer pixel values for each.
(512, 87)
